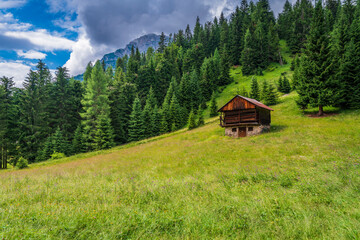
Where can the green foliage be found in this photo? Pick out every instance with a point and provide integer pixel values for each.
(22, 163)
(136, 129)
(192, 120)
(200, 117)
(213, 106)
(316, 86)
(57, 155)
(97, 131)
(255, 89)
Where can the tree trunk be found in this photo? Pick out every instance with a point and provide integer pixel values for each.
(281, 61)
(321, 111)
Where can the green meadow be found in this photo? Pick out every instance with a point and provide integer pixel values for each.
(299, 181)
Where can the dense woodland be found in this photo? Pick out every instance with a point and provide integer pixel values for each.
(165, 90)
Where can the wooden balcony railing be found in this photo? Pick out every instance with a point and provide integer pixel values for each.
(236, 118)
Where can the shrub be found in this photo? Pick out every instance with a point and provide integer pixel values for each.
(57, 155)
(22, 163)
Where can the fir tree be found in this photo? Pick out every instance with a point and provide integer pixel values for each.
(136, 130)
(286, 85)
(213, 106)
(281, 84)
(316, 85)
(96, 115)
(192, 120)
(77, 142)
(255, 90)
(200, 120)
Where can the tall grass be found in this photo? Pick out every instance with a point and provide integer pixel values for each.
(300, 181)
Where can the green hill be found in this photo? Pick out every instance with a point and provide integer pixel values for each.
(299, 181)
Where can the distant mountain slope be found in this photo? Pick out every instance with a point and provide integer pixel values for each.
(143, 43)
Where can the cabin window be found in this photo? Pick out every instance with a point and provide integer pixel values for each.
(234, 130)
(250, 129)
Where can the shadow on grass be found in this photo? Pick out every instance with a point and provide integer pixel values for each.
(277, 128)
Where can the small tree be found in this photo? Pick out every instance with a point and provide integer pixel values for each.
(22, 163)
(271, 97)
(213, 106)
(135, 123)
(281, 85)
(192, 121)
(201, 120)
(255, 90)
(286, 85)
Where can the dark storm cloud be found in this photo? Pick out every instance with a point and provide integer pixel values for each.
(10, 43)
(117, 22)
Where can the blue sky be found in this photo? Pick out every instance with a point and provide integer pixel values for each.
(73, 32)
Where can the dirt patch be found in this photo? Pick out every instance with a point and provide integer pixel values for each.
(315, 115)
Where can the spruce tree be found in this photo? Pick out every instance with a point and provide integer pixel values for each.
(315, 85)
(271, 97)
(255, 90)
(136, 130)
(281, 84)
(264, 91)
(286, 85)
(175, 113)
(192, 120)
(96, 115)
(213, 106)
(77, 144)
(224, 67)
(200, 120)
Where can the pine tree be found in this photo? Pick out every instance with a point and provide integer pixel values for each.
(248, 53)
(281, 84)
(136, 130)
(224, 67)
(96, 115)
(286, 85)
(162, 43)
(316, 85)
(264, 91)
(104, 135)
(243, 92)
(87, 74)
(192, 120)
(213, 106)
(156, 121)
(271, 97)
(255, 90)
(200, 121)
(175, 114)
(77, 144)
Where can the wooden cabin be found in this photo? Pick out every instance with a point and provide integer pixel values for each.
(243, 116)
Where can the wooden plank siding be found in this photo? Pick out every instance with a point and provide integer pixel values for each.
(238, 104)
(244, 111)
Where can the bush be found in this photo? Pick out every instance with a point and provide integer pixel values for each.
(22, 163)
(57, 155)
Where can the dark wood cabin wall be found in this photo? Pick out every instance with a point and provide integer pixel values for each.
(264, 116)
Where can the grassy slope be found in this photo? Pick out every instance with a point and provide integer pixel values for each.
(301, 180)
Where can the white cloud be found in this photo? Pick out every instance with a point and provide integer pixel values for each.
(5, 4)
(82, 53)
(17, 70)
(31, 54)
(43, 39)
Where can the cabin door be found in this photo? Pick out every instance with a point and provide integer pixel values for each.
(242, 132)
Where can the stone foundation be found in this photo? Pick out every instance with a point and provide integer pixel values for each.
(250, 130)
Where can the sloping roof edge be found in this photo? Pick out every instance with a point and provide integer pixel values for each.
(253, 101)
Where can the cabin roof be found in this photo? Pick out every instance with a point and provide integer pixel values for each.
(253, 101)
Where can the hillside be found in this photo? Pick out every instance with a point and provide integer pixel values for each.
(299, 181)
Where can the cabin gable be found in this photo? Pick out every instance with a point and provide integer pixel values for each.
(238, 103)
(243, 116)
